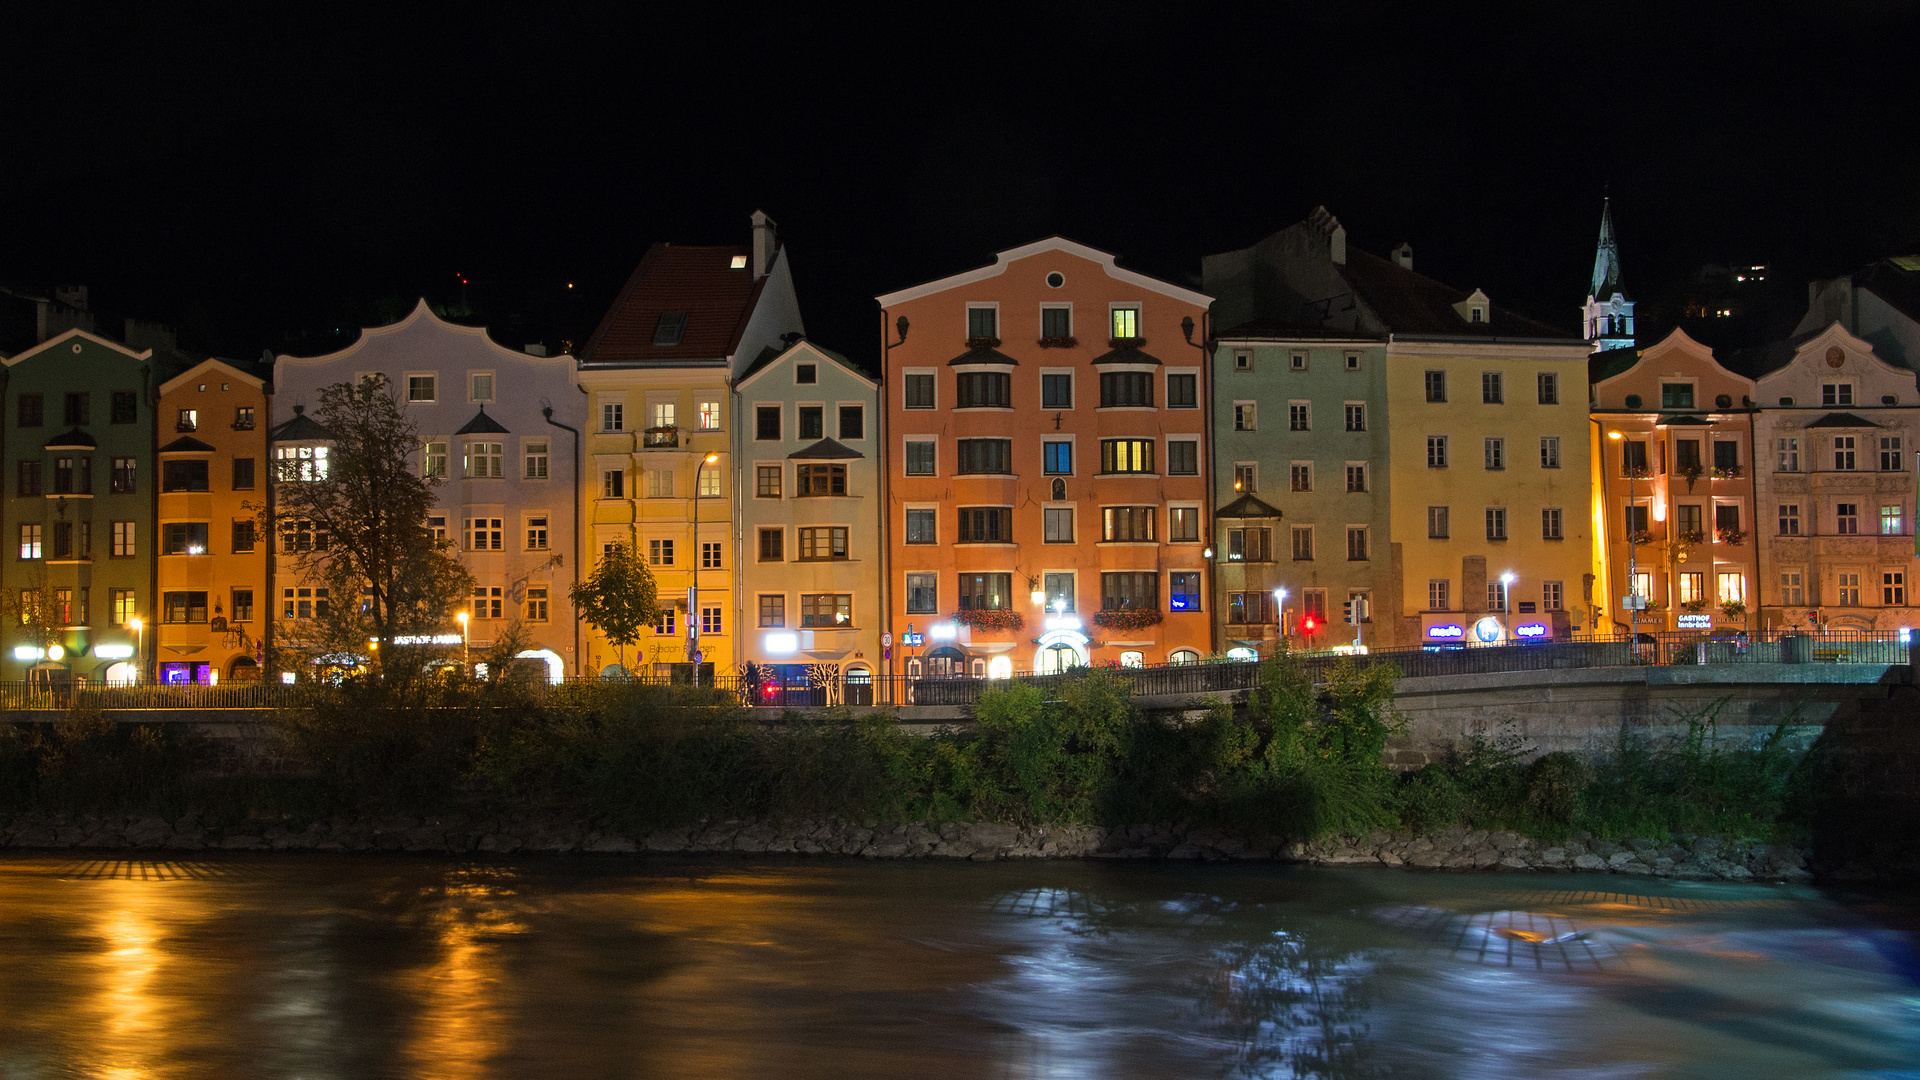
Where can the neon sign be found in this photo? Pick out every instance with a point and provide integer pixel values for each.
(1449, 631)
(1487, 629)
(1530, 630)
(912, 639)
(1694, 622)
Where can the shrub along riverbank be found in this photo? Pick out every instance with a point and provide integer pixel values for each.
(1296, 765)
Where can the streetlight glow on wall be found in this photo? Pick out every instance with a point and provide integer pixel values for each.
(466, 654)
(139, 647)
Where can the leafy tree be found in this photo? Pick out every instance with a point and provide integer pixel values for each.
(619, 598)
(355, 524)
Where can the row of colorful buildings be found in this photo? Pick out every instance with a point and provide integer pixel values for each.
(1061, 461)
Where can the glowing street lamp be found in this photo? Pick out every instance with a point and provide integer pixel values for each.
(139, 647)
(1633, 549)
(466, 652)
(1280, 601)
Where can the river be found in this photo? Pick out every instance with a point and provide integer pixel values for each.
(319, 967)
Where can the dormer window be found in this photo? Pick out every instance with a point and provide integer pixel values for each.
(1479, 314)
(1475, 309)
(671, 328)
(739, 262)
(806, 374)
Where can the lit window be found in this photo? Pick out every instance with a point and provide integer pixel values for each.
(1126, 323)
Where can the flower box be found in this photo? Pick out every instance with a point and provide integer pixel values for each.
(1126, 343)
(1733, 609)
(1727, 472)
(983, 343)
(1128, 618)
(1729, 536)
(990, 619)
(1058, 342)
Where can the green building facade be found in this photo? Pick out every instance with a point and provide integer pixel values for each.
(79, 511)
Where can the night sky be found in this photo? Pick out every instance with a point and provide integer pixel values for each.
(260, 181)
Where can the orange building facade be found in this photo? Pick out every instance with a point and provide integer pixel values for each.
(1045, 459)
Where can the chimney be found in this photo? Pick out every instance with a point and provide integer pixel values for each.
(764, 244)
(1404, 255)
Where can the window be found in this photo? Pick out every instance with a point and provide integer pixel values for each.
(79, 411)
(710, 620)
(806, 374)
(1547, 384)
(921, 526)
(1550, 519)
(1890, 519)
(1056, 323)
(823, 543)
(1297, 361)
(1496, 595)
(1726, 518)
(421, 387)
(1836, 393)
(1439, 594)
(1893, 588)
(1693, 587)
(29, 541)
(982, 322)
(1890, 453)
(708, 412)
(1633, 458)
(1846, 519)
(983, 390)
(534, 455)
(812, 425)
(433, 457)
(773, 610)
(1126, 322)
(1436, 386)
(1789, 454)
(1353, 361)
(986, 525)
(121, 481)
(709, 486)
(1183, 457)
(1249, 545)
(1436, 451)
(613, 416)
(1686, 454)
(62, 540)
(1549, 451)
(31, 409)
(1183, 524)
(1126, 455)
(483, 460)
(121, 608)
(186, 607)
(537, 532)
(920, 459)
(479, 386)
(1057, 525)
(181, 476)
(189, 420)
(1129, 591)
(1243, 361)
(766, 423)
(1356, 545)
(123, 542)
(1496, 453)
(126, 407)
(919, 392)
(536, 603)
(659, 483)
(826, 609)
(853, 422)
(29, 474)
(1356, 477)
(1246, 477)
(766, 481)
(1183, 392)
(1726, 458)
(1733, 587)
(671, 329)
(1059, 592)
(298, 463)
(1183, 589)
(1300, 476)
(1848, 589)
(1303, 543)
(243, 605)
(988, 456)
(773, 545)
(1299, 416)
(243, 474)
(1676, 395)
(1688, 520)
(242, 537)
(1126, 523)
(1126, 389)
(1437, 523)
(1356, 416)
(1492, 392)
(923, 594)
(1243, 416)
(1843, 452)
(664, 625)
(1791, 594)
(1056, 391)
(986, 592)
(613, 484)
(489, 602)
(1637, 521)
(1250, 608)
(1496, 523)
(437, 527)
(1314, 602)
(660, 553)
(185, 538)
(485, 534)
(299, 535)
(1553, 596)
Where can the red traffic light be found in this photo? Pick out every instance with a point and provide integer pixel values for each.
(1308, 624)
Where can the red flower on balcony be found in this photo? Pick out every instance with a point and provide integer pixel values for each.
(1058, 342)
(1128, 618)
(990, 619)
(983, 343)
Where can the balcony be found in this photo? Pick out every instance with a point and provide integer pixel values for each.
(660, 438)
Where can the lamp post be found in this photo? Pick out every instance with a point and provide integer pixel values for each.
(1280, 616)
(466, 654)
(139, 649)
(693, 593)
(1506, 600)
(1633, 544)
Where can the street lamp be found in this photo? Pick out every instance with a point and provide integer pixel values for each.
(466, 653)
(1633, 545)
(1280, 623)
(693, 593)
(139, 648)
(1506, 600)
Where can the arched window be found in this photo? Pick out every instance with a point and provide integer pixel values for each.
(1059, 489)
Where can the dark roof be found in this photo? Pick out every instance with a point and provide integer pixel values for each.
(1246, 506)
(74, 438)
(1412, 303)
(1291, 331)
(1683, 420)
(1129, 354)
(1842, 420)
(186, 444)
(825, 450)
(982, 356)
(1607, 363)
(1771, 357)
(699, 281)
(1897, 281)
(482, 424)
(302, 428)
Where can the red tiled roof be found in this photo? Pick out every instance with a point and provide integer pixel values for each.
(697, 280)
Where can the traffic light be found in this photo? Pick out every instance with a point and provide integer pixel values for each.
(1309, 624)
(1346, 613)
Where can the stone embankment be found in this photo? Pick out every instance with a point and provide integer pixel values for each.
(1692, 858)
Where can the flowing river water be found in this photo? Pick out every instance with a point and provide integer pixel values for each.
(319, 967)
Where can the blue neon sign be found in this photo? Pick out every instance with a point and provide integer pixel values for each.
(1450, 631)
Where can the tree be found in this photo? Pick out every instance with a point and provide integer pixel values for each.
(355, 523)
(619, 598)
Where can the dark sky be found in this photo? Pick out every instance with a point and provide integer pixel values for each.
(258, 180)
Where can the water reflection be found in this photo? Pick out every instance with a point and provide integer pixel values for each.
(322, 968)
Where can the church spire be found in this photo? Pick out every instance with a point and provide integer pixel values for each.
(1606, 261)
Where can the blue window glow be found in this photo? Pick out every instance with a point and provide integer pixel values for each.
(1059, 458)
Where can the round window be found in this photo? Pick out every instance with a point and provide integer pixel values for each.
(1054, 281)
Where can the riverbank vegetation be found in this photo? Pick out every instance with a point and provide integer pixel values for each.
(1297, 761)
